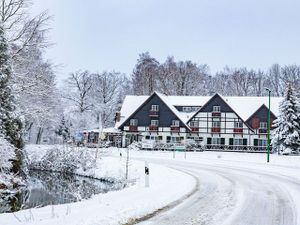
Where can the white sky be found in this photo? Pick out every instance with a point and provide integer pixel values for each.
(105, 35)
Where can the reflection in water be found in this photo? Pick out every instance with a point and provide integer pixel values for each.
(46, 188)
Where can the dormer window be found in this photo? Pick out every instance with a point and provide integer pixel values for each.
(155, 108)
(216, 108)
(186, 109)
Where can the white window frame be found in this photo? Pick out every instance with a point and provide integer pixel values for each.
(216, 123)
(133, 122)
(216, 108)
(154, 122)
(175, 123)
(262, 142)
(155, 108)
(216, 141)
(186, 109)
(265, 125)
(238, 124)
(237, 141)
(192, 124)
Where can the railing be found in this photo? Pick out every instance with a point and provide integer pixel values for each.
(216, 114)
(237, 130)
(215, 129)
(237, 148)
(195, 129)
(153, 128)
(175, 129)
(132, 128)
(153, 113)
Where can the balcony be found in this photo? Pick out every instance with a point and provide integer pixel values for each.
(215, 129)
(133, 128)
(195, 129)
(238, 130)
(216, 114)
(262, 131)
(175, 129)
(153, 128)
(153, 113)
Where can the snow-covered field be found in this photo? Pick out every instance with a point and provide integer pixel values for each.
(116, 207)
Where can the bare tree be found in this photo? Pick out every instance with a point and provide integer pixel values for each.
(22, 29)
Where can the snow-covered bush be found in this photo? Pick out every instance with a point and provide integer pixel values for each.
(192, 145)
(135, 146)
(7, 154)
(64, 160)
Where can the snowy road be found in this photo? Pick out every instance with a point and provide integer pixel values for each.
(235, 192)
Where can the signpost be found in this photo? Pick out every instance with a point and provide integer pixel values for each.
(146, 174)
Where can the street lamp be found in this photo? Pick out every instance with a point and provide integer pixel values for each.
(269, 124)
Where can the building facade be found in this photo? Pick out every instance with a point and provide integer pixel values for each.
(228, 123)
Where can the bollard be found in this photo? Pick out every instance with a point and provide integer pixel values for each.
(147, 174)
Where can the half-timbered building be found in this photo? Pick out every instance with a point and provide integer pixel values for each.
(219, 122)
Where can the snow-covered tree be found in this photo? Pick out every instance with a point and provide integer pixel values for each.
(285, 137)
(7, 155)
(64, 129)
(10, 123)
(145, 75)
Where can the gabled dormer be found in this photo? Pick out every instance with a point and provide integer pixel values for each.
(258, 121)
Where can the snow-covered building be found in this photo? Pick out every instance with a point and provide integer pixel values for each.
(219, 122)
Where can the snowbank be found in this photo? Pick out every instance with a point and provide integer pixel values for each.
(116, 207)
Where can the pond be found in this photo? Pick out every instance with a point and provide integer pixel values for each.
(49, 188)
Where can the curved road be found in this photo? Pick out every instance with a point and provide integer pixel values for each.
(234, 193)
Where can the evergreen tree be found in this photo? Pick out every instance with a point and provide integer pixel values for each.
(10, 123)
(287, 128)
(63, 130)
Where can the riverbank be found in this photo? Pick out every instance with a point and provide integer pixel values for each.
(115, 207)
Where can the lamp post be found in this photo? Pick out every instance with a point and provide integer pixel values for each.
(269, 124)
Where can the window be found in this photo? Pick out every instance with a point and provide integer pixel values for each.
(216, 141)
(175, 123)
(196, 108)
(154, 122)
(238, 141)
(155, 108)
(216, 122)
(262, 142)
(238, 124)
(216, 108)
(186, 109)
(194, 123)
(263, 125)
(133, 122)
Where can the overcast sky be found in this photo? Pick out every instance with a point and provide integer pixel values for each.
(104, 35)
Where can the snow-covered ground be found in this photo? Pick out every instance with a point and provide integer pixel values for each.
(116, 207)
(234, 188)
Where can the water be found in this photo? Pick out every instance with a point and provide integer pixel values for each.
(47, 188)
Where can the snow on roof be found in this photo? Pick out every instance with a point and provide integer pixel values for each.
(105, 130)
(244, 106)
(130, 104)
